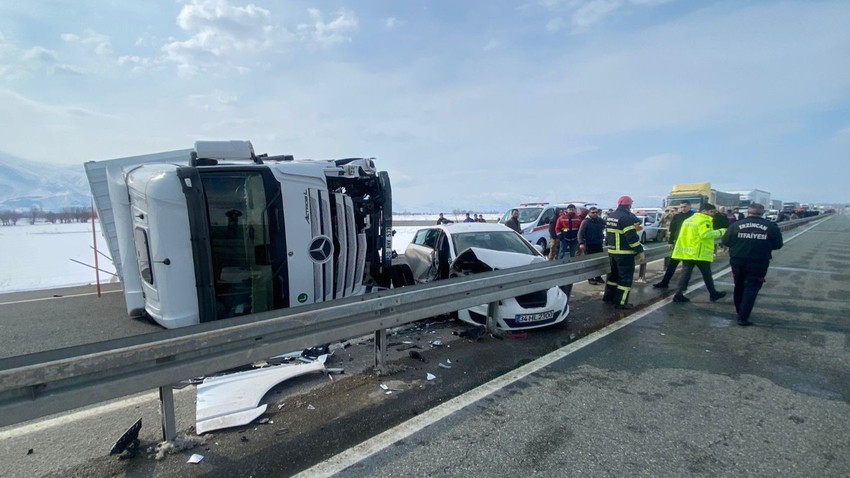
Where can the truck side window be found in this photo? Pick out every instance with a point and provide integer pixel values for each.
(143, 253)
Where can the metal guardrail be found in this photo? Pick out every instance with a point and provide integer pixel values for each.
(37, 385)
(40, 384)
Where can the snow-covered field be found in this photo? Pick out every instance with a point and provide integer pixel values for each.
(40, 256)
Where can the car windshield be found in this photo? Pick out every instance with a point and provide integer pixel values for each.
(526, 214)
(505, 241)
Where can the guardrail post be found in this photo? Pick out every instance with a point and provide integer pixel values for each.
(381, 351)
(166, 411)
(492, 307)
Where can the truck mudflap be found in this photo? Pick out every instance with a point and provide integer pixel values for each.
(193, 188)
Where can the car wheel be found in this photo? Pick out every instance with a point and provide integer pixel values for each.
(643, 237)
(545, 245)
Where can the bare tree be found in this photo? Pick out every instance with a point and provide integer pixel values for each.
(35, 213)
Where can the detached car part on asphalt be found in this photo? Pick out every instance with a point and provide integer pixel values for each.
(232, 400)
(453, 250)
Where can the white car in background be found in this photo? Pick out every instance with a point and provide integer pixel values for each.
(650, 221)
(451, 250)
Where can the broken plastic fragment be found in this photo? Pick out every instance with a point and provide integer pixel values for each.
(233, 400)
(130, 439)
(195, 458)
(430, 376)
(384, 386)
(444, 365)
(310, 407)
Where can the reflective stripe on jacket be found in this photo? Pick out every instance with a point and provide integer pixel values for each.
(621, 234)
(696, 239)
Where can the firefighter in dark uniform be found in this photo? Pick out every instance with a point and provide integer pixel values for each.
(750, 242)
(624, 251)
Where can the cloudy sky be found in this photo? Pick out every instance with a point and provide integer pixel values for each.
(468, 104)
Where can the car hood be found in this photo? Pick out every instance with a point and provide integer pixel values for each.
(474, 260)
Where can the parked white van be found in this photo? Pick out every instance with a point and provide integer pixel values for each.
(535, 217)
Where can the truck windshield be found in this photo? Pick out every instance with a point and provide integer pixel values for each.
(240, 239)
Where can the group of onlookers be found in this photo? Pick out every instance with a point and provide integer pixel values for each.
(469, 218)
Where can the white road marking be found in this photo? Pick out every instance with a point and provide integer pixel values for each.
(57, 298)
(65, 419)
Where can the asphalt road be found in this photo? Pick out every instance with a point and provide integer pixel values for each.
(651, 399)
(682, 391)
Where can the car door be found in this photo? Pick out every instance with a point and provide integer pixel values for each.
(420, 254)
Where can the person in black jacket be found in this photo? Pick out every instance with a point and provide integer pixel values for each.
(720, 220)
(513, 222)
(591, 236)
(675, 226)
(750, 242)
(443, 220)
(554, 242)
(624, 251)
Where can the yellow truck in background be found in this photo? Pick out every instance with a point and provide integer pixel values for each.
(698, 193)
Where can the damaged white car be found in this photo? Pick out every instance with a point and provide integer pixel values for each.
(440, 252)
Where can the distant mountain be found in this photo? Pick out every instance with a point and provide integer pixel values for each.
(26, 184)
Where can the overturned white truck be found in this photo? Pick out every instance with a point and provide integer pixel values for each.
(217, 231)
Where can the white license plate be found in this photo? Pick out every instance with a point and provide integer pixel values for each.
(525, 318)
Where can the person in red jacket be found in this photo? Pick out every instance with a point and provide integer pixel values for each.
(567, 228)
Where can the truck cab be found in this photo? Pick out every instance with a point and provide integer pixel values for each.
(218, 232)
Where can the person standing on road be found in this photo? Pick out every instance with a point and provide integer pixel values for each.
(624, 251)
(554, 242)
(684, 213)
(591, 236)
(513, 222)
(695, 248)
(750, 242)
(468, 218)
(567, 227)
(443, 220)
(720, 220)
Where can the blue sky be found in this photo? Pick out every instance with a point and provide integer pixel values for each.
(468, 104)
